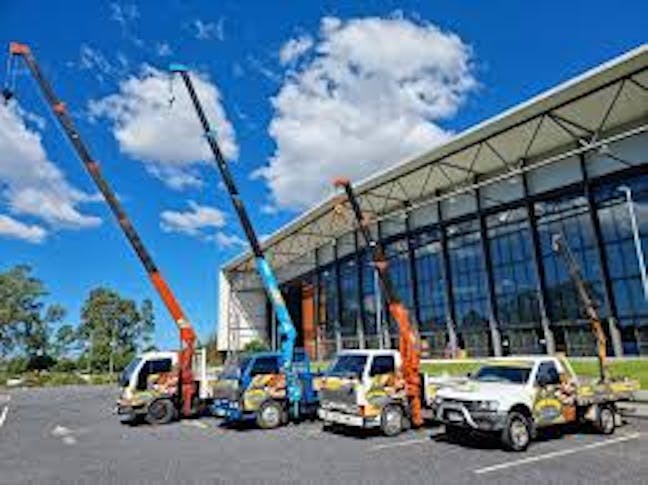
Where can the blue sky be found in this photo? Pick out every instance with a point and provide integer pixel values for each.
(292, 88)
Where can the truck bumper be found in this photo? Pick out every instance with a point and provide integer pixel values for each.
(478, 421)
(347, 419)
(127, 411)
(230, 410)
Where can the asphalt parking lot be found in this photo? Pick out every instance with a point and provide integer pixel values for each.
(69, 435)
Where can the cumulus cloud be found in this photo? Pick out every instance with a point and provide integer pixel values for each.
(13, 228)
(295, 48)
(30, 184)
(370, 92)
(193, 221)
(202, 222)
(166, 136)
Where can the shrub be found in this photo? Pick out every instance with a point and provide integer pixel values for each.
(255, 345)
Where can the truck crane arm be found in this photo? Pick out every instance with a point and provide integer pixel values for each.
(287, 331)
(589, 306)
(187, 334)
(408, 339)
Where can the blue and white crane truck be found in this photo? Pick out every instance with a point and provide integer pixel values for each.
(252, 388)
(275, 387)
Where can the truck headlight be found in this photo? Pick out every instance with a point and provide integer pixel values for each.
(486, 405)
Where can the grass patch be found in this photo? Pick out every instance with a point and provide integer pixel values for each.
(51, 379)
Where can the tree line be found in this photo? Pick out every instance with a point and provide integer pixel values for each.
(34, 335)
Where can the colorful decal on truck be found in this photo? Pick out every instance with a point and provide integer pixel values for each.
(264, 387)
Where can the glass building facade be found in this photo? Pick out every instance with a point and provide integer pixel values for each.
(482, 267)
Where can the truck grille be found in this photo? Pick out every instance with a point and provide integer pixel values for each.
(343, 399)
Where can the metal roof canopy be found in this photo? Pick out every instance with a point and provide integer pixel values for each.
(577, 116)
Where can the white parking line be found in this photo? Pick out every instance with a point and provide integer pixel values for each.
(400, 443)
(3, 415)
(554, 454)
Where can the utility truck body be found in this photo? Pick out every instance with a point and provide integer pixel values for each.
(513, 397)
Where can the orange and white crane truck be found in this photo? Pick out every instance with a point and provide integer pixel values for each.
(159, 386)
(375, 388)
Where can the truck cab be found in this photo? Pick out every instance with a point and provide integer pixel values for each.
(253, 387)
(149, 387)
(514, 396)
(365, 389)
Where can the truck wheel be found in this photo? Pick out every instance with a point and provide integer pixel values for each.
(160, 411)
(391, 420)
(454, 434)
(270, 415)
(516, 434)
(605, 420)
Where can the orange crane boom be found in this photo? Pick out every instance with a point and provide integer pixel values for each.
(187, 333)
(589, 305)
(408, 339)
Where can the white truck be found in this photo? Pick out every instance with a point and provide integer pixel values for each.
(513, 397)
(366, 389)
(149, 387)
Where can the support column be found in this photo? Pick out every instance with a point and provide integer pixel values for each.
(496, 338)
(613, 326)
(541, 288)
(316, 302)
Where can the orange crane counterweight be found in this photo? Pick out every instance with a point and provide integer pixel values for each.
(187, 334)
(408, 339)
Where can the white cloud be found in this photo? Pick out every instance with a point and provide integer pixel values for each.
(12, 228)
(163, 49)
(202, 222)
(227, 241)
(30, 184)
(295, 48)
(209, 30)
(166, 136)
(194, 221)
(99, 65)
(370, 93)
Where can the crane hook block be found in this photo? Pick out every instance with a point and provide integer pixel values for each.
(177, 68)
(16, 48)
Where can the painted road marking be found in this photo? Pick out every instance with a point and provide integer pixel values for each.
(195, 424)
(555, 454)
(3, 415)
(400, 443)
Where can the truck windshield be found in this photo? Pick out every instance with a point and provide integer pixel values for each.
(516, 375)
(346, 365)
(235, 368)
(125, 377)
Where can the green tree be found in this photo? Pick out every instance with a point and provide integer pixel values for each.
(112, 329)
(64, 340)
(25, 319)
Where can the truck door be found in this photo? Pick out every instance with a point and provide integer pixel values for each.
(549, 406)
(152, 372)
(382, 384)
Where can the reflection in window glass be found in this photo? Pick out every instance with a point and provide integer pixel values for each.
(516, 299)
(468, 276)
(432, 305)
(349, 298)
(623, 265)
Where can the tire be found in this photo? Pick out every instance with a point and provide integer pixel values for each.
(160, 411)
(271, 415)
(392, 420)
(516, 434)
(454, 434)
(605, 420)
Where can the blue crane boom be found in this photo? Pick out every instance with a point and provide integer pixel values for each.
(287, 332)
